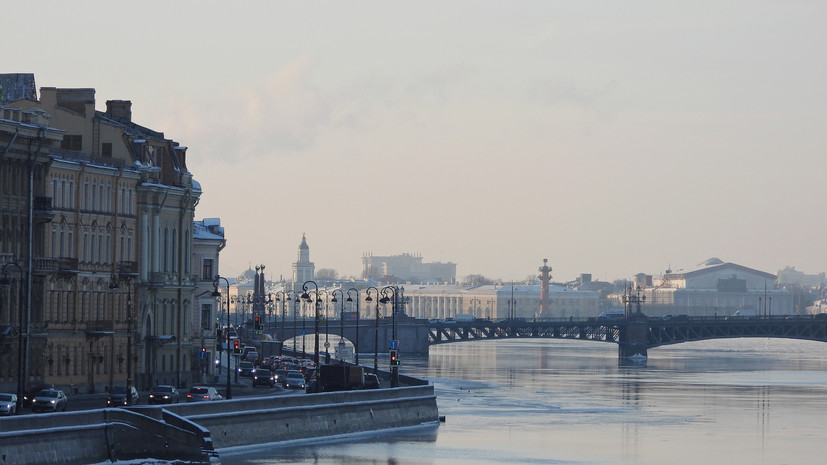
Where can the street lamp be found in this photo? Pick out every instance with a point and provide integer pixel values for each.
(326, 327)
(306, 297)
(18, 409)
(285, 296)
(295, 324)
(218, 295)
(392, 290)
(356, 341)
(368, 299)
(341, 318)
(115, 284)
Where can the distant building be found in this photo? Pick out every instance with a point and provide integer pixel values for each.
(497, 302)
(714, 288)
(303, 269)
(790, 275)
(408, 268)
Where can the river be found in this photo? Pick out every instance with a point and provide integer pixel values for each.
(535, 401)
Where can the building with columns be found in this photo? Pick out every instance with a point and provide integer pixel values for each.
(111, 274)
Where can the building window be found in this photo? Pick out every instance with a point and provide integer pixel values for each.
(106, 149)
(206, 311)
(72, 142)
(206, 273)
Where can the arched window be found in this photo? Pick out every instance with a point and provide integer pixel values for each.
(174, 250)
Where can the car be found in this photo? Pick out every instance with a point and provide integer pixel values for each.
(32, 391)
(371, 381)
(203, 394)
(281, 375)
(8, 404)
(120, 396)
(50, 400)
(246, 369)
(264, 377)
(294, 380)
(164, 394)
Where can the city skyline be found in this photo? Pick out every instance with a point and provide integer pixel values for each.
(614, 140)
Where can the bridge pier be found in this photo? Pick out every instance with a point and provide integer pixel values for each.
(633, 340)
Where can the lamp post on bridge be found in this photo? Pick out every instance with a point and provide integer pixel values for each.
(341, 301)
(227, 300)
(393, 345)
(355, 342)
(318, 302)
(368, 299)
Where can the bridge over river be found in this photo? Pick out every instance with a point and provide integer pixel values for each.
(633, 336)
(637, 335)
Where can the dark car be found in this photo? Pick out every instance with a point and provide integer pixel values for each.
(50, 400)
(246, 369)
(164, 394)
(32, 391)
(371, 381)
(263, 377)
(120, 396)
(281, 374)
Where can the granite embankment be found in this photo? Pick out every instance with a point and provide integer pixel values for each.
(193, 431)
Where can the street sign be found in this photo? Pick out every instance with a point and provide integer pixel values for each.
(326, 344)
(202, 355)
(393, 345)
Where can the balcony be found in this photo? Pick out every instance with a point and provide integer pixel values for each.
(55, 265)
(42, 210)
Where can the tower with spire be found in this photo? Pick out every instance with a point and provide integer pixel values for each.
(303, 269)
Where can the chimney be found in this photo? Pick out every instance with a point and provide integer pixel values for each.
(119, 109)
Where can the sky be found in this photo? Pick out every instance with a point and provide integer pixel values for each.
(609, 137)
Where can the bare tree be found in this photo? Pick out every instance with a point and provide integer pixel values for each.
(326, 273)
(477, 280)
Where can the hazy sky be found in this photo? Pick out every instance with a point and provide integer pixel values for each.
(611, 137)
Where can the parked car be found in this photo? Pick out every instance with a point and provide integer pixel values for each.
(263, 377)
(28, 396)
(8, 404)
(294, 380)
(246, 369)
(50, 400)
(164, 394)
(120, 396)
(203, 394)
(371, 381)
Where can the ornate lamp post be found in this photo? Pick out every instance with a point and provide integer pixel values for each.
(393, 291)
(18, 409)
(355, 342)
(326, 327)
(341, 317)
(369, 299)
(295, 315)
(285, 296)
(218, 295)
(115, 284)
(318, 304)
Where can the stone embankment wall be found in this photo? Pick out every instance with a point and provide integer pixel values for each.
(183, 431)
(261, 420)
(95, 436)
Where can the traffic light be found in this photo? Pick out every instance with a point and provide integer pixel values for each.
(394, 358)
(258, 323)
(236, 347)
